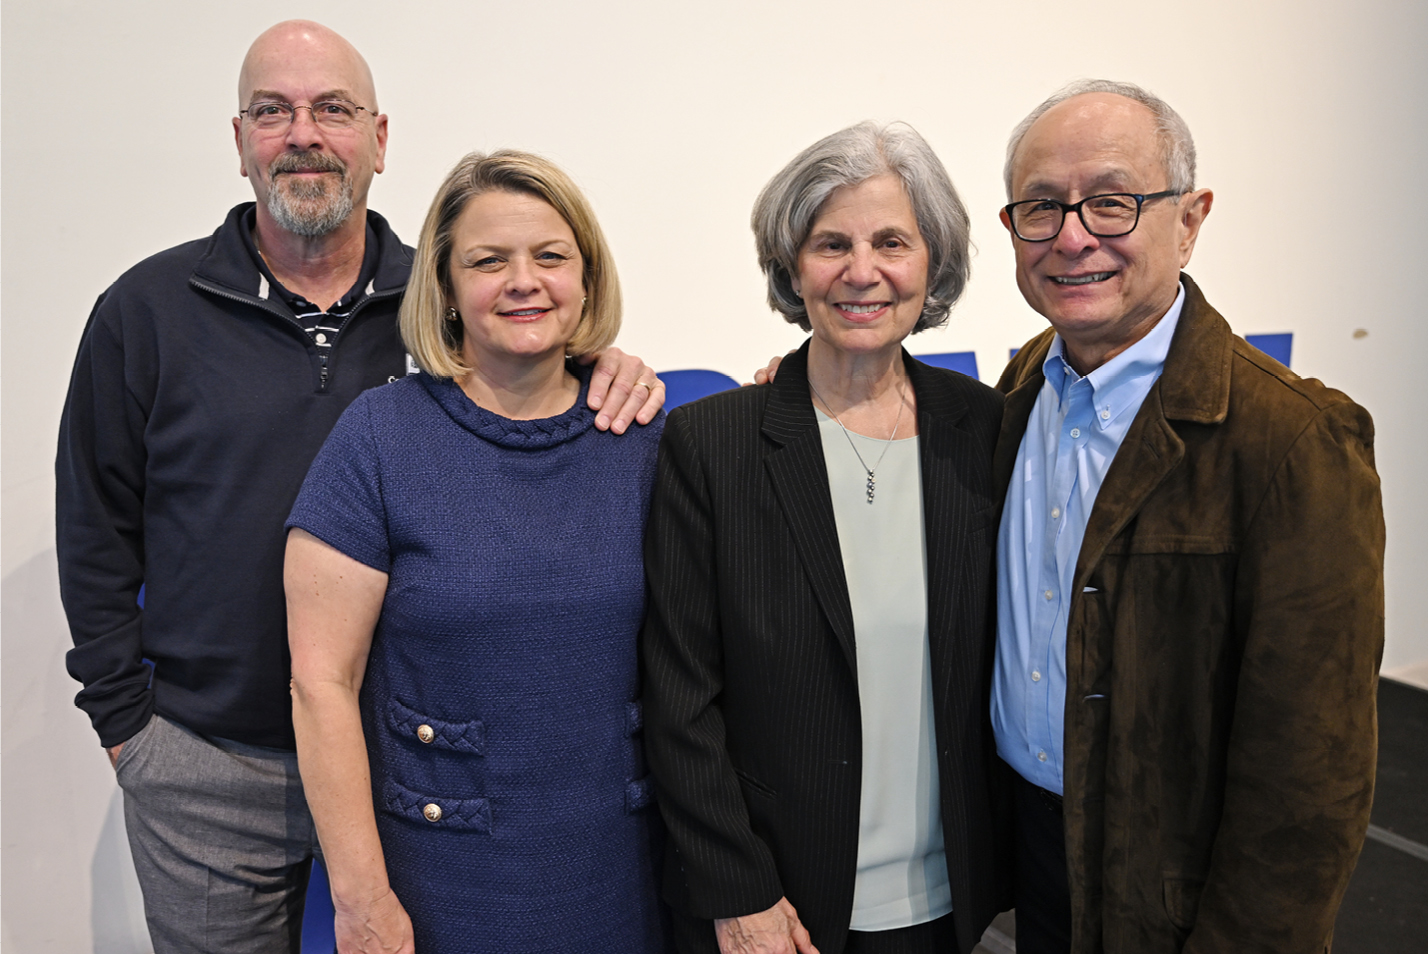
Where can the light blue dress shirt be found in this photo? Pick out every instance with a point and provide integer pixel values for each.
(1075, 429)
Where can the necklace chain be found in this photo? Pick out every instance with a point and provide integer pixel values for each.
(872, 484)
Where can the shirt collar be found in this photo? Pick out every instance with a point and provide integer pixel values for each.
(268, 285)
(1120, 384)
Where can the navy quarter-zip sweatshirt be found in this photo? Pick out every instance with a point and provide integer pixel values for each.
(194, 410)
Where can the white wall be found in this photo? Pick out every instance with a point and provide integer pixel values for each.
(1310, 118)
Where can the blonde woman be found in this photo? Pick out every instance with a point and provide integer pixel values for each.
(465, 586)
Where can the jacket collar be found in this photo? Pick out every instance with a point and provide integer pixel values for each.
(1194, 386)
(789, 412)
(226, 263)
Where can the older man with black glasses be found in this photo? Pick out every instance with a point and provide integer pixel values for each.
(1190, 573)
(207, 378)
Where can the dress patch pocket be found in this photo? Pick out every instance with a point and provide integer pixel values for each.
(469, 737)
(460, 814)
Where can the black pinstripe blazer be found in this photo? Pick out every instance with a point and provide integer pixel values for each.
(752, 724)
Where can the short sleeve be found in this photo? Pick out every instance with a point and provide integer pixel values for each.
(341, 500)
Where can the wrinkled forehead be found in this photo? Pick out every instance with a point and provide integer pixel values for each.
(304, 68)
(1105, 142)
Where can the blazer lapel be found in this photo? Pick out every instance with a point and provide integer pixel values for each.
(952, 497)
(1194, 386)
(799, 476)
(1021, 383)
(947, 503)
(1151, 450)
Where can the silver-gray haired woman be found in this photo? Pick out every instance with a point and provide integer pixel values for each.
(820, 557)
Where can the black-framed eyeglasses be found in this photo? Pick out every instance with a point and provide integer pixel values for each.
(1104, 216)
(330, 113)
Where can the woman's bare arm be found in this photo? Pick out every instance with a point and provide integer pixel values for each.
(333, 605)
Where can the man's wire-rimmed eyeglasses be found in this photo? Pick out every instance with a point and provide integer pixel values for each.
(330, 113)
(1105, 216)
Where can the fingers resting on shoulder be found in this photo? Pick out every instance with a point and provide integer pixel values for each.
(766, 375)
(623, 389)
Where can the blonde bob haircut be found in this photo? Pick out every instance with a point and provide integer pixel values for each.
(434, 342)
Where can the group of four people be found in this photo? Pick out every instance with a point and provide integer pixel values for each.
(900, 649)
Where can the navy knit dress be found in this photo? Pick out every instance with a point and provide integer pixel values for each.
(500, 703)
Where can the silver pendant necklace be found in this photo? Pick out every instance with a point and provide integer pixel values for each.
(871, 471)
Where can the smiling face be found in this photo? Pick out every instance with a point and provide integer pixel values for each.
(517, 280)
(308, 178)
(862, 271)
(1102, 294)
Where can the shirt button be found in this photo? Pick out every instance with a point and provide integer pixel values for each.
(425, 733)
(1049, 594)
(1075, 432)
(1105, 414)
(1040, 756)
(1055, 513)
(432, 811)
(1035, 676)
(321, 338)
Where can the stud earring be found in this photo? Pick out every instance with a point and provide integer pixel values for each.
(452, 314)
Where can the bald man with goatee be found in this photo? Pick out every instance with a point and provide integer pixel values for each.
(207, 378)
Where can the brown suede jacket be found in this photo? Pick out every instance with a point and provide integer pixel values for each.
(1221, 656)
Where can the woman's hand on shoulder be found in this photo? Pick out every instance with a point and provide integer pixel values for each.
(775, 931)
(380, 926)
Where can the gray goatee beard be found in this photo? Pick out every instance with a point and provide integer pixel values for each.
(309, 208)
